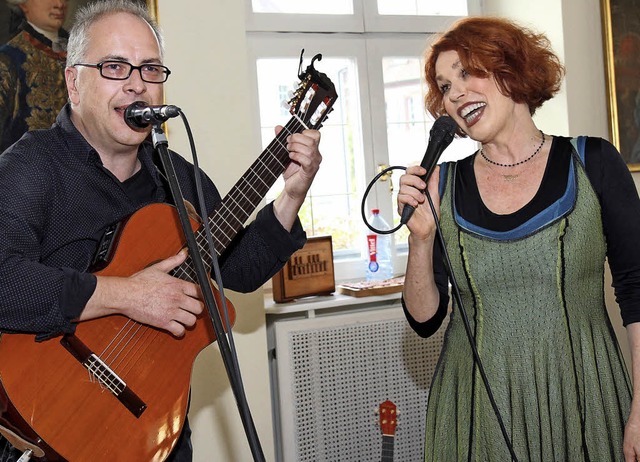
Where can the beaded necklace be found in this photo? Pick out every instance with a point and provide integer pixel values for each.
(517, 163)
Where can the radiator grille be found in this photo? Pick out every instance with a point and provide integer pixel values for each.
(334, 372)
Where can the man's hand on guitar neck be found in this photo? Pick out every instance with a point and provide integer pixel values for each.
(151, 296)
(299, 174)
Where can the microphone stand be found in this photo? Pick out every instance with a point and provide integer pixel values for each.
(161, 144)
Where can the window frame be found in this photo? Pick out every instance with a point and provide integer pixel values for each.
(282, 22)
(362, 20)
(273, 45)
(272, 36)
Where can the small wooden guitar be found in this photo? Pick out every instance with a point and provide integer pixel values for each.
(388, 417)
(118, 390)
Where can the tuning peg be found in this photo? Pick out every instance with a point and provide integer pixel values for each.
(298, 89)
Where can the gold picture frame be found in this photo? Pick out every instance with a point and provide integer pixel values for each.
(621, 30)
(152, 5)
(73, 5)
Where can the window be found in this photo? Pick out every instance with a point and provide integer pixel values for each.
(422, 8)
(298, 7)
(379, 117)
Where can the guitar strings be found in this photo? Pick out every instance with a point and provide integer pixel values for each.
(139, 340)
(132, 340)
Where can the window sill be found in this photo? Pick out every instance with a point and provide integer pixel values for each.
(328, 304)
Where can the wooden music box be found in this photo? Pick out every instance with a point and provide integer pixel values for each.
(309, 271)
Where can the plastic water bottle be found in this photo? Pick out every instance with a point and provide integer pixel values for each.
(379, 264)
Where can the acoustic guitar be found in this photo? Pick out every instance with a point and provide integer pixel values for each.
(118, 390)
(388, 417)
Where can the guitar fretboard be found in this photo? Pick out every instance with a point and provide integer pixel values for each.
(387, 448)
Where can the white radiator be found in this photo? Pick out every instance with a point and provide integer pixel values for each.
(334, 371)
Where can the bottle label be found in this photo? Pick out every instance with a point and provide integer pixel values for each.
(372, 240)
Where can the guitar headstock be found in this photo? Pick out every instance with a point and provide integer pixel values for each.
(313, 99)
(388, 416)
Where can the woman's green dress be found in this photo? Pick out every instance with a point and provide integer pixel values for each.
(534, 299)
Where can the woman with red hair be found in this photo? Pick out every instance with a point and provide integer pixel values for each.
(527, 222)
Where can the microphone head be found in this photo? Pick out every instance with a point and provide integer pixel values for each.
(445, 125)
(134, 115)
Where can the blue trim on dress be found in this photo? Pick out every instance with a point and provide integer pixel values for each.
(579, 143)
(556, 210)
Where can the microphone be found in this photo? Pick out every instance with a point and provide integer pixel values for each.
(141, 115)
(440, 136)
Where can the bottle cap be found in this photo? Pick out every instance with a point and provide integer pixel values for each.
(374, 211)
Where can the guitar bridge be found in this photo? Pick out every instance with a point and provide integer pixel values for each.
(104, 374)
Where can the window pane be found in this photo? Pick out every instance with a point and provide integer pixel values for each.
(423, 7)
(408, 123)
(332, 205)
(303, 7)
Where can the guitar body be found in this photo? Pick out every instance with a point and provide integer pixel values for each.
(60, 401)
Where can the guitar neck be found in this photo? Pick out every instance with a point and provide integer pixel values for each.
(244, 197)
(387, 448)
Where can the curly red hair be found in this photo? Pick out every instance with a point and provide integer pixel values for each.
(520, 60)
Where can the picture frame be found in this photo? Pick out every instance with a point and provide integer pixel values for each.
(10, 22)
(621, 30)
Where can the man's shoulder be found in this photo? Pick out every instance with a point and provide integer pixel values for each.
(10, 53)
(16, 44)
(37, 145)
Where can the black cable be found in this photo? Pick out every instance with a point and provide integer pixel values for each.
(456, 294)
(364, 198)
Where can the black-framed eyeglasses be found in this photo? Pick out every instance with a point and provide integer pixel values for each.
(121, 70)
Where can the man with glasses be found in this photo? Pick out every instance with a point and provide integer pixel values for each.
(63, 187)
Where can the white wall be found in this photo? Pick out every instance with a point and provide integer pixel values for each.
(575, 32)
(206, 50)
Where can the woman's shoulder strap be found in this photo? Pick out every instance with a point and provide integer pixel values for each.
(580, 145)
(442, 184)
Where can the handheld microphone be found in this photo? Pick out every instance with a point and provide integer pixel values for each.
(141, 115)
(440, 136)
